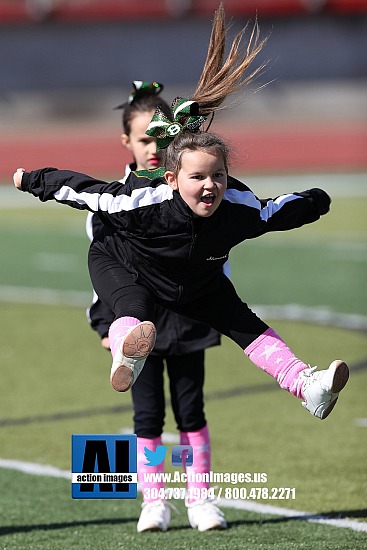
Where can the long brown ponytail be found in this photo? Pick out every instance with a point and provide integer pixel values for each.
(221, 77)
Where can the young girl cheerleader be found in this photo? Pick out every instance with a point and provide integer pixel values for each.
(173, 229)
(180, 344)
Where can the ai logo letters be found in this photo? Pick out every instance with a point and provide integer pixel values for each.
(104, 466)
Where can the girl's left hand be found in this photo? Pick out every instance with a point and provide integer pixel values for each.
(17, 178)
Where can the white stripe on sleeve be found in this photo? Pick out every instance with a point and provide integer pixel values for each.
(247, 198)
(106, 202)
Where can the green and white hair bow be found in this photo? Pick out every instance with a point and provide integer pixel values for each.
(186, 117)
(140, 89)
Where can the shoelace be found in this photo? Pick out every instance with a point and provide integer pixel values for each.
(310, 376)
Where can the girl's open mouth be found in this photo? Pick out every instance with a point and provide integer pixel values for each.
(208, 199)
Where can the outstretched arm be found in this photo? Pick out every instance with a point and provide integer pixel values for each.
(282, 213)
(294, 209)
(65, 186)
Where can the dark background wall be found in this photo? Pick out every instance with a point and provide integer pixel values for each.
(55, 55)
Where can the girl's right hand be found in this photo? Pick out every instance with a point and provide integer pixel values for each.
(106, 343)
(17, 178)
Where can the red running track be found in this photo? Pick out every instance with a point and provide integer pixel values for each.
(291, 148)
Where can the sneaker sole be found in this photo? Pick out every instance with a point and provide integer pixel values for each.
(340, 378)
(213, 527)
(138, 343)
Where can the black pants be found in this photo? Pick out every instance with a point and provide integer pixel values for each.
(220, 307)
(186, 380)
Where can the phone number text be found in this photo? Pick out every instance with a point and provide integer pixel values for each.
(215, 493)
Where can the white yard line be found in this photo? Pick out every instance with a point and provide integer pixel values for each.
(287, 312)
(50, 471)
(278, 511)
(308, 314)
(45, 296)
(337, 185)
(361, 422)
(34, 468)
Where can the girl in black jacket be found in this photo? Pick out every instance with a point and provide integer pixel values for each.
(173, 231)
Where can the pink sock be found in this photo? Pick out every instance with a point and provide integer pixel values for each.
(272, 355)
(151, 490)
(117, 330)
(200, 442)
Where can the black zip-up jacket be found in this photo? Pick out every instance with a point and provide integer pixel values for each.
(176, 334)
(155, 234)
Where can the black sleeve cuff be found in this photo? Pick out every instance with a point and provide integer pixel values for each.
(25, 182)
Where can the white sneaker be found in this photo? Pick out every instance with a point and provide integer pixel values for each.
(130, 358)
(321, 389)
(155, 516)
(204, 515)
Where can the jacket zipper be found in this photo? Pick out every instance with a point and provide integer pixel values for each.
(193, 241)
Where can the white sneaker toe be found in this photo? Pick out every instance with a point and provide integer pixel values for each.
(204, 516)
(155, 516)
(321, 388)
